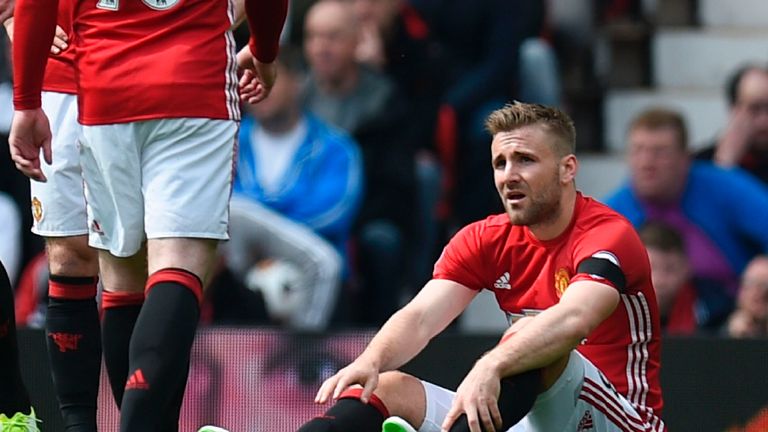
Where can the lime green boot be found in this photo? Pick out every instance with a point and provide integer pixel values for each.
(20, 422)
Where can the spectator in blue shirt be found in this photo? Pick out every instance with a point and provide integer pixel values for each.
(721, 213)
(296, 195)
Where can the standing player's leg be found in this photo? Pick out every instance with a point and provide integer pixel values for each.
(162, 339)
(167, 181)
(73, 331)
(121, 303)
(72, 321)
(14, 400)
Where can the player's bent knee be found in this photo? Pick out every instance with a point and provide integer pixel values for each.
(403, 395)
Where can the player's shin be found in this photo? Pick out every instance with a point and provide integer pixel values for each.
(159, 350)
(119, 314)
(517, 396)
(74, 348)
(350, 414)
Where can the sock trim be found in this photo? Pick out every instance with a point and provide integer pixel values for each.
(177, 275)
(111, 300)
(72, 287)
(374, 401)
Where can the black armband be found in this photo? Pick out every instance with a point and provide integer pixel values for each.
(605, 269)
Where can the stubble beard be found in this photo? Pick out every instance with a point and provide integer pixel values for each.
(541, 210)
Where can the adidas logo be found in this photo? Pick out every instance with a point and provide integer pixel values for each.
(503, 282)
(137, 381)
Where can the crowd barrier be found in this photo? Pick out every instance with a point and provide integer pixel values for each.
(264, 380)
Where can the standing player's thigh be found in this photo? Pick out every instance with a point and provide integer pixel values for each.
(581, 399)
(58, 205)
(111, 159)
(187, 171)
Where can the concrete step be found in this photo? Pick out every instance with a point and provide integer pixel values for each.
(704, 58)
(705, 112)
(600, 174)
(733, 13)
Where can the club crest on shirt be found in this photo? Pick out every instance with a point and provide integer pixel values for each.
(561, 281)
(160, 4)
(37, 209)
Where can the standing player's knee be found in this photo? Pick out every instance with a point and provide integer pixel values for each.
(71, 256)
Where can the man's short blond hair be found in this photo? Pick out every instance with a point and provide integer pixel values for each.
(554, 121)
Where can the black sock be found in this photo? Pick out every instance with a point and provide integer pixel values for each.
(174, 413)
(349, 415)
(121, 310)
(13, 397)
(160, 347)
(516, 398)
(74, 348)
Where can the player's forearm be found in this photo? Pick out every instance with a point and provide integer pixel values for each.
(33, 30)
(265, 21)
(401, 338)
(547, 337)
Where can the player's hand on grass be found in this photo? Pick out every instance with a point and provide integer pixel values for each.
(30, 132)
(359, 372)
(478, 397)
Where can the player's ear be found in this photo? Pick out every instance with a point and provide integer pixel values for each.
(569, 166)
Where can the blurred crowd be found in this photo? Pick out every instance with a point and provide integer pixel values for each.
(371, 151)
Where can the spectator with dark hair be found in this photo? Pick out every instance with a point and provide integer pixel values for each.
(367, 105)
(744, 142)
(719, 212)
(686, 304)
(750, 319)
(296, 194)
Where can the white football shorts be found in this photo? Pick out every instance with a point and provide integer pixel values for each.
(582, 399)
(58, 205)
(165, 178)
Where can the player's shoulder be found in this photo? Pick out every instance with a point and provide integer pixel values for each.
(491, 232)
(595, 215)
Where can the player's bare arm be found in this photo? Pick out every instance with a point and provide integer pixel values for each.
(549, 336)
(34, 28)
(403, 336)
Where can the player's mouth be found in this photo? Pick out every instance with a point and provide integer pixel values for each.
(514, 197)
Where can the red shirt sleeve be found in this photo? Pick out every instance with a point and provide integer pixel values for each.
(462, 259)
(265, 21)
(33, 29)
(617, 241)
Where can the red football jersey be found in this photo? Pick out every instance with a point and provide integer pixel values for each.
(148, 59)
(145, 59)
(528, 276)
(60, 69)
